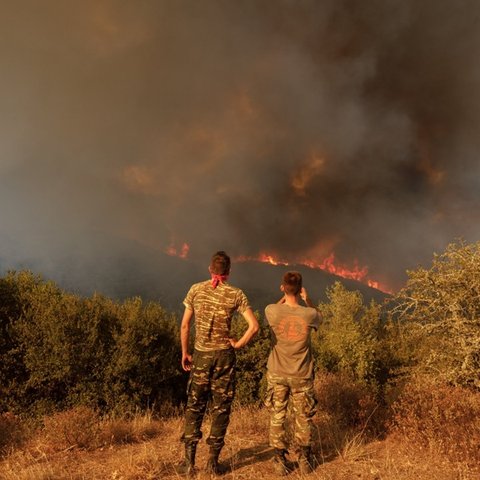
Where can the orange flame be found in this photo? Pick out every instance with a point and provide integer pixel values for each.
(360, 274)
(357, 273)
(181, 252)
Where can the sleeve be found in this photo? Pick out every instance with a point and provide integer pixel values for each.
(315, 320)
(242, 302)
(269, 313)
(188, 300)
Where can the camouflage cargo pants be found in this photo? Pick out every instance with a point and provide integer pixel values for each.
(299, 392)
(212, 377)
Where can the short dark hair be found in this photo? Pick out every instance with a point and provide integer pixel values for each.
(220, 263)
(292, 283)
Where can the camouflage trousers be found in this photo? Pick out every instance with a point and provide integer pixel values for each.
(297, 393)
(212, 378)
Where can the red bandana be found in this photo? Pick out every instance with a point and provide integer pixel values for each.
(216, 279)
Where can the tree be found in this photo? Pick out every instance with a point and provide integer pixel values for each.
(350, 339)
(145, 365)
(13, 374)
(442, 307)
(59, 350)
(65, 343)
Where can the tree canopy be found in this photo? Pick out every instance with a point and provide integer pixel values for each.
(441, 306)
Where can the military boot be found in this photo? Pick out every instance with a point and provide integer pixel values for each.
(187, 467)
(213, 467)
(281, 464)
(306, 460)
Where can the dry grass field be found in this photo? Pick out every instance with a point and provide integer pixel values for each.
(78, 445)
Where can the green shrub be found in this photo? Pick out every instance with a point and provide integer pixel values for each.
(60, 350)
(251, 362)
(13, 373)
(441, 307)
(66, 343)
(145, 365)
(352, 338)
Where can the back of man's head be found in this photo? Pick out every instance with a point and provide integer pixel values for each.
(220, 263)
(292, 283)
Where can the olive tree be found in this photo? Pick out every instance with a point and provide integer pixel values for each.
(351, 336)
(442, 307)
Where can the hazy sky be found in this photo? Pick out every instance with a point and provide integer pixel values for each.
(298, 128)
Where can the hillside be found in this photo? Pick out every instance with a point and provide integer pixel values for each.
(121, 269)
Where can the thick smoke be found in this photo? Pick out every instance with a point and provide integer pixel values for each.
(299, 128)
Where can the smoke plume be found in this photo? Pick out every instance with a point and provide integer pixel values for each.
(297, 128)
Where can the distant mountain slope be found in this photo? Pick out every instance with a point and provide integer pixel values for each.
(262, 282)
(122, 269)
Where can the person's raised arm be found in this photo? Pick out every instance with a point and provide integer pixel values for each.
(306, 298)
(184, 336)
(249, 333)
(309, 303)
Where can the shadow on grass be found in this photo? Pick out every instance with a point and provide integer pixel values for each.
(248, 456)
(261, 453)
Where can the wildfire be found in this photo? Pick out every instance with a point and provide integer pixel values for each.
(357, 273)
(360, 274)
(181, 252)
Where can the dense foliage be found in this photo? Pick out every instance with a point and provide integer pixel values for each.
(58, 350)
(251, 362)
(353, 338)
(440, 309)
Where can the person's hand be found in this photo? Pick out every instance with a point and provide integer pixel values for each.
(187, 362)
(233, 343)
(303, 294)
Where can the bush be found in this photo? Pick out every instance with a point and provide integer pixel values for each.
(441, 306)
(144, 368)
(13, 373)
(12, 431)
(352, 338)
(59, 350)
(74, 428)
(251, 363)
(61, 344)
(441, 418)
(349, 405)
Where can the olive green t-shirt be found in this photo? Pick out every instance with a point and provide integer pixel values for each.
(290, 326)
(213, 309)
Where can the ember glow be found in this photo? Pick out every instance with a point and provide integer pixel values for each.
(181, 252)
(302, 179)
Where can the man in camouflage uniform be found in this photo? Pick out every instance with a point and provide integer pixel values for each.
(212, 367)
(290, 372)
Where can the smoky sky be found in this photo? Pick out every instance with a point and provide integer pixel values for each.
(298, 128)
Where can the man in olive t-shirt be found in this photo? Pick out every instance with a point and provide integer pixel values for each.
(290, 371)
(212, 304)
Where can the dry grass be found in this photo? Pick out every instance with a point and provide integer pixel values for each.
(12, 432)
(440, 419)
(146, 449)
